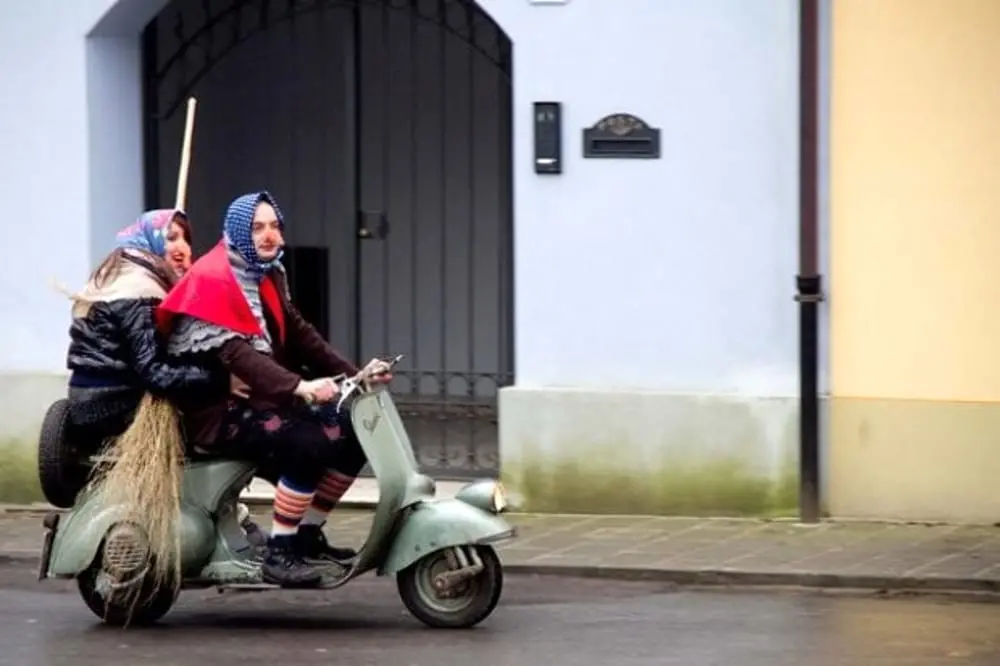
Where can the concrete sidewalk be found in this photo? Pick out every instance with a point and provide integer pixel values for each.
(690, 551)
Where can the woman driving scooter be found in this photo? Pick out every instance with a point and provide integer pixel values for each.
(232, 311)
(113, 354)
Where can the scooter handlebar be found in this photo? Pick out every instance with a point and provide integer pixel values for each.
(361, 382)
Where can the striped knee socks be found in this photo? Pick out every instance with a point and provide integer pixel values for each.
(290, 505)
(330, 490)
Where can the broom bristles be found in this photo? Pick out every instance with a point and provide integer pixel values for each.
(141, 471)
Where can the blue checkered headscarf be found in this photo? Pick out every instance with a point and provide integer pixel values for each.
(237, 230)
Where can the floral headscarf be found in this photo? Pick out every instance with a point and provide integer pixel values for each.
(149, 232)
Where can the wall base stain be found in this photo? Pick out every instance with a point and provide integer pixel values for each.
(715, 488)
(19, 472)
(652, 453)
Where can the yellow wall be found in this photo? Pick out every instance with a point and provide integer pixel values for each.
(915, 259)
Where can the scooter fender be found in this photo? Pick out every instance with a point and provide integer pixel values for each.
(433, 525)
(79, 536)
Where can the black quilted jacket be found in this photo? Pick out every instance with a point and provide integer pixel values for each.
(115, 357)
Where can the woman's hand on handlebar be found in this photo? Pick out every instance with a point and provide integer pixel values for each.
(377, 371)
(317, 390)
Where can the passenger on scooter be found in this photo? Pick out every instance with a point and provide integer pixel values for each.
(114, 356)
(232, 311)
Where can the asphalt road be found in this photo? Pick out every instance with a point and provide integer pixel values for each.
(542, 621)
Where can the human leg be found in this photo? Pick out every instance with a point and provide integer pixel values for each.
(344, 459)
(283, 442)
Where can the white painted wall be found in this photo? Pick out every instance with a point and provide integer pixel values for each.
(42, 175)
(57, 134)
(668, 276)
(673, 274)
(645, 290)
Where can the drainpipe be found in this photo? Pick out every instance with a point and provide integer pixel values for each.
(809, 282)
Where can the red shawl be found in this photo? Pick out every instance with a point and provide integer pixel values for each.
(209, 292)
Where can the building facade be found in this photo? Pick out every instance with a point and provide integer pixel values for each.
(628, 323)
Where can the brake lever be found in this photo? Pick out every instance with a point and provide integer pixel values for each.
(347, 387)
(390, 364)
(363, 379)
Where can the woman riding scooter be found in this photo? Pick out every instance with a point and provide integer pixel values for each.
(113, 355)
(107, 384)
(232, 311)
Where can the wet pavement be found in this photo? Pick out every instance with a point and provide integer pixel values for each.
(703, 551)
(541, 620)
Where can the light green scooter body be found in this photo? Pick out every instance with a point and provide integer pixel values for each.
(409, 522)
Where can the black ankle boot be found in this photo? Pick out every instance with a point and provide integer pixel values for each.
(284, 566)
(313, 547)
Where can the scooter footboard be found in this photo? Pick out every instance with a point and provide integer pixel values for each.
(432, 526)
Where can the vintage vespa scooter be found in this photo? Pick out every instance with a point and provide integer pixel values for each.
(440, 550)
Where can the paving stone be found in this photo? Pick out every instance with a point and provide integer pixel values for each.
(691, 549)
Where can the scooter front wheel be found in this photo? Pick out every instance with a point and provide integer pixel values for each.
(437, 592)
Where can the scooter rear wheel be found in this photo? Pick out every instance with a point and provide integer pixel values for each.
(140, 602)
(466, 606)
(148, 608)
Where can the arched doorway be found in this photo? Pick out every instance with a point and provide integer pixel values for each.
(383, 128)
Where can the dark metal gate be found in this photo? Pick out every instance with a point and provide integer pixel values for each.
(383, 129)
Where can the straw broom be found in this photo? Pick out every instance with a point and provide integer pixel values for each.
(141, 470)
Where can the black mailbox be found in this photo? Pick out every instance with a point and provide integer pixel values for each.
(621, 135)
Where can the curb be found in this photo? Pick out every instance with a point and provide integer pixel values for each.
(29, 509)
(731, 578)
(342, 504)
(715, 578)
(42, 509)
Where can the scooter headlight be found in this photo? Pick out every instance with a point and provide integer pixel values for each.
(499, 497)
(485, 494)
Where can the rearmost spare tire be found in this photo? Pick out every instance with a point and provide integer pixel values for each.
(60, 473)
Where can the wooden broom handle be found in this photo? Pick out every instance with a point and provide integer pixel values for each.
(182, 173)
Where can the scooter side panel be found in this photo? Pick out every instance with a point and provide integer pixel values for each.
(79, 536)
(435, 525)
(80, 533)
(206, 484)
